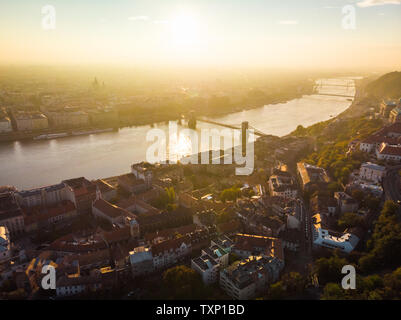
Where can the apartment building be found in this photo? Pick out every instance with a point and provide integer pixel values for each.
(312, 176)
(170, 252)
(246, 245)
(283, 184)
(323, 237)
(5, 122)
(68, 118)
(389, 152)
(81, 192)
(372, 172)
(141, 260)
(245, 279)
(30, 121)
(107, 191)
(4, 244)
(107, 211)
(142, 172)
(56, 215)
(11, 215)
(210, 262)
(395, 115)
(44, 196)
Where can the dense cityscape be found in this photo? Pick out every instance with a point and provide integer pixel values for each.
(200, 158)
(319, 198)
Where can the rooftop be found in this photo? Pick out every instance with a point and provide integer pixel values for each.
(313, 174)
(393, 150)
(109, 209)
(260, 244)
(205, 262)
(373, 166)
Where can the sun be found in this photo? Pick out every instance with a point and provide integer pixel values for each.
(185, 31)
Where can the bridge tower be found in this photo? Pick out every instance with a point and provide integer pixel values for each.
(192, 120)
(244, 135)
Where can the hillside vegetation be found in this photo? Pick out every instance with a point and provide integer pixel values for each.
(387, 86)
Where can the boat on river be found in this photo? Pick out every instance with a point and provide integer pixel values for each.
(51, 136)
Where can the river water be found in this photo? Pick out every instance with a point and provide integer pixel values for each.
(29, 164)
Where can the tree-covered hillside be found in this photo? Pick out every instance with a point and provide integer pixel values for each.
(387, 86)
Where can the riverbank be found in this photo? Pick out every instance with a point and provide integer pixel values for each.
(151, 119)
(20, 136)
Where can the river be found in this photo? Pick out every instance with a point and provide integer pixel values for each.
(29, 164)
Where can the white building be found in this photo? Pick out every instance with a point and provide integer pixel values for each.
(207, 267)
(367, 146)
(44, 196)
(4, 244)
(70, 286)
(372, 172)
(141, 172)
(245, 279)
(141, 260)
(210, 262)
(346, 242)
(5, 125)
(223, 242)
(169, 252)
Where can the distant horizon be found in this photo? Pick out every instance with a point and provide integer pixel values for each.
(110, 68)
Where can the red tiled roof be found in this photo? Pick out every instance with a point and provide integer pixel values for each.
(117, 235)
(129, 179)
(232, 226)
(103, 185)
(393, 150)
(381, 135)
(171, 232)
(133, 201)
(169, 245)
(248, 242)
(89, 258)
(109, 209)
(37, 214)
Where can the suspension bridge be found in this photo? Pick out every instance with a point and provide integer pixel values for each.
(257, 132)
(349, 85)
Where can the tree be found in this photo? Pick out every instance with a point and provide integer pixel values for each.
(277, 291)
(358, 195)
(183, 283)
(225, 216)
(166, 200)
(386, 239)
(170, 194)
(392, 283)
(230, 194)
(350, 220)
(329, 269)
(294, 282)
(333, 187)
(333, 291)
(372, 203)
(18, 294)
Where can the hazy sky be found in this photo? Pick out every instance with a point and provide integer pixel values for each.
(281, 33)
